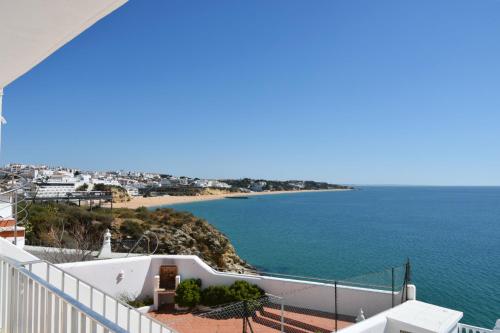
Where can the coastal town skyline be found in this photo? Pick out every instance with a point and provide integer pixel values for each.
(17, 167)
(318, 91)
(46, 170)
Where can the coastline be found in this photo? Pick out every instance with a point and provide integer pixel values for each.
(137, 202)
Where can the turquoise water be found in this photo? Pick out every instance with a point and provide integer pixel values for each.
(450, 234)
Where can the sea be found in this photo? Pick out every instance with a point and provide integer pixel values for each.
(451, 235)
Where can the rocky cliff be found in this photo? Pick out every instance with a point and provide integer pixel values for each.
(178, 232)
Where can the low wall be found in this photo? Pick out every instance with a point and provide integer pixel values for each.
(117, 277)
(8, 249)
(139, 272)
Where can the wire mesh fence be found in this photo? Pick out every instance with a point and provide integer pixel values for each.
(305, 305)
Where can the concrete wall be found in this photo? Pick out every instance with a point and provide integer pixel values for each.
(115, 276)
(5, 207)
(8, 249)
(139, 275)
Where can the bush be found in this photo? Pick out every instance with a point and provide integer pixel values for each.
(238, 291)
(242, 290)
(140, 302)
(131, 228)
(216, 295)
(188, 293)
(83, 187)
(135, 301)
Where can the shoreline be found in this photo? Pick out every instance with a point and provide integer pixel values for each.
(165, 200)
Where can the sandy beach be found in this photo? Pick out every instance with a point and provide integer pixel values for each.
(137, 202)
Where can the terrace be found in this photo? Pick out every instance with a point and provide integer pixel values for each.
(36, 296)
(289, 305)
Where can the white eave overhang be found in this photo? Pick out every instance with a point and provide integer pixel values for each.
(31, 30)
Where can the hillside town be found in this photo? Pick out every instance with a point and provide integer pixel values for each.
(52, 182)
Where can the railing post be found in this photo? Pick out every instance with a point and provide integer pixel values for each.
(15, 218)
(282, 315)
(392, 287)
(2, 294)
(11, 299)
(336, 311)
(17, 299)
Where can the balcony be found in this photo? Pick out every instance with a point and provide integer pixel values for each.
(36, 296)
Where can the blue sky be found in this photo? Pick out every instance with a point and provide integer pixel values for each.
(365, 92)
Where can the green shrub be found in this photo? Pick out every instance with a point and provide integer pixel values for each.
(238, 291)
(135, 301)
(83, 187)
(131, 228)
(188, 293)
(140, 302)
(242, 290)
(216, 295)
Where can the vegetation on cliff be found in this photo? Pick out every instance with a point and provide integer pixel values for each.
(285, 185)
(118, 193)
(70, 226)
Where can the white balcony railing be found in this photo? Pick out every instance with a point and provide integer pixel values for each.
(464, 328)
(32, 301)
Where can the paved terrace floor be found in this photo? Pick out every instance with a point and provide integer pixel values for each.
(266, 321)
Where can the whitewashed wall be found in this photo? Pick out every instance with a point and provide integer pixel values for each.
(105, 274)
(10, 250)
(140, 271)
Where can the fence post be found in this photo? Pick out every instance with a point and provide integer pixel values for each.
(336, 312)
(406, 282)
(392, 287)
(282, 315)
(15, 218)
(408, 268)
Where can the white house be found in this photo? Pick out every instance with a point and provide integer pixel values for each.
(258, 186)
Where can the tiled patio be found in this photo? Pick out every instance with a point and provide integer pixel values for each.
(267, 321)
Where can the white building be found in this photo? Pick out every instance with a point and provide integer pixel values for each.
(209, 183)
(174, 181)
(132, 191)
(54, 190)
(106, 181)
(83, 179)
(15, 167)
(258, 186)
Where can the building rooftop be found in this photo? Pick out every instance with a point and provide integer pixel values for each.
(424, 317)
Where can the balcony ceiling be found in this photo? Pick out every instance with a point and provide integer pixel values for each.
(31, 30)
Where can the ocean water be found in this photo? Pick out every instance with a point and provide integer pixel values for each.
(450, 234)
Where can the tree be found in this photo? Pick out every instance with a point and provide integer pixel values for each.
(68, 233)
(69, 243)
(83, 187)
